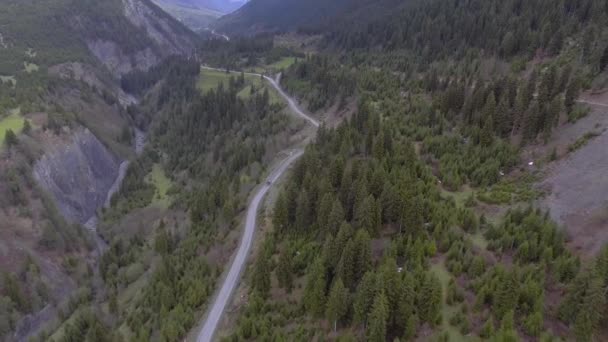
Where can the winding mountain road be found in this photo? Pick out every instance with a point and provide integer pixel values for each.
(293, 105)
(218, 307)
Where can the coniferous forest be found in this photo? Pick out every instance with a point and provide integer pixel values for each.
(420, 210)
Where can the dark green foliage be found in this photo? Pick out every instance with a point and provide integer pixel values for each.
(10, 138)
(337, 303)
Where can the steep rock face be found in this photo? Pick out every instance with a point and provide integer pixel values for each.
(78, 175)
(118, 62)
(145, 37)
(161, 29)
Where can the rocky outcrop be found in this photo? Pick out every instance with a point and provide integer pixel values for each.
(120, 63)
(164, 31)
(78, 175)
(167, 37)
(89, 74)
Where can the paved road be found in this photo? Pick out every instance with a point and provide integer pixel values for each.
(214, 315)
(290, 101)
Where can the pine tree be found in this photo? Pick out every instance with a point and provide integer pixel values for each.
(10, 139)
(429, 301)
(337, 303)
(346, 265)
(405, 305)
(572, 92)
(506, 294)
(314, 292)
(336, 217)
(281, 213)
(376, 331)
(487, 132)
(285, 270)
(364, 297)
(344, 235)
(303, 212)
(591, 310)
(489, 108)
(261, 275)
(504, 122)
(27, 127)
(363, 254)
(604, 60)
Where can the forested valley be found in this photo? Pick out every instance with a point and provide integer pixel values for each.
(383, 230)
(422, 208)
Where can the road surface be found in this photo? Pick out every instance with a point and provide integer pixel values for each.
(592, 103)
(214, 315)
(290, 101)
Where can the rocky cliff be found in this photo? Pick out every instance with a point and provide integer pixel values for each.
(78, 175)
(158, 37)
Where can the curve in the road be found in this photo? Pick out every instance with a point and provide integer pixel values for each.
(214, 315)
(290, 101)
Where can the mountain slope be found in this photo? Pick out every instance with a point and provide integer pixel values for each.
(60, 61)
(50, 32)
(279, 15)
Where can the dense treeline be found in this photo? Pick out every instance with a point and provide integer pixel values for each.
(362, 225)
(242, 52)
(430, 30)
(320, 81)
(213, 145)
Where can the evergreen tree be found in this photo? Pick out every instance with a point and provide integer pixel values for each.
(261, 275)
(346, 265)
(285, 270)
(314, 292)
(376, 331)
(281, 213)
(572, 92)
(10, 139)
(506, 294)
(429, 301)
(364, 298)
(337, 303)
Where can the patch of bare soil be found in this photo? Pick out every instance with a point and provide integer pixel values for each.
(578, 182)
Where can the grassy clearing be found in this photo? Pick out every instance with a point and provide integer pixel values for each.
(14, 122)
(283, 63)
(30, 67)
(460, 197)
(447, 311)
(211, 79)
(479, 240)
(162, 184)
(512, 190)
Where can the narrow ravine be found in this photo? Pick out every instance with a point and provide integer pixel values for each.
(93, 221)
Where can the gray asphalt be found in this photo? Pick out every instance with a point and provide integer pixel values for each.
(293, 106)
(214, 315)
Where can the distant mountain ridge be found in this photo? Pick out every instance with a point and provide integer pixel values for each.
(223, 6)
(283, 15)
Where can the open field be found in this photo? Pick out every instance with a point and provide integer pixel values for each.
(447, 311)
(211, 79)
(14, 122)
(158, 178)
(283, 63)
